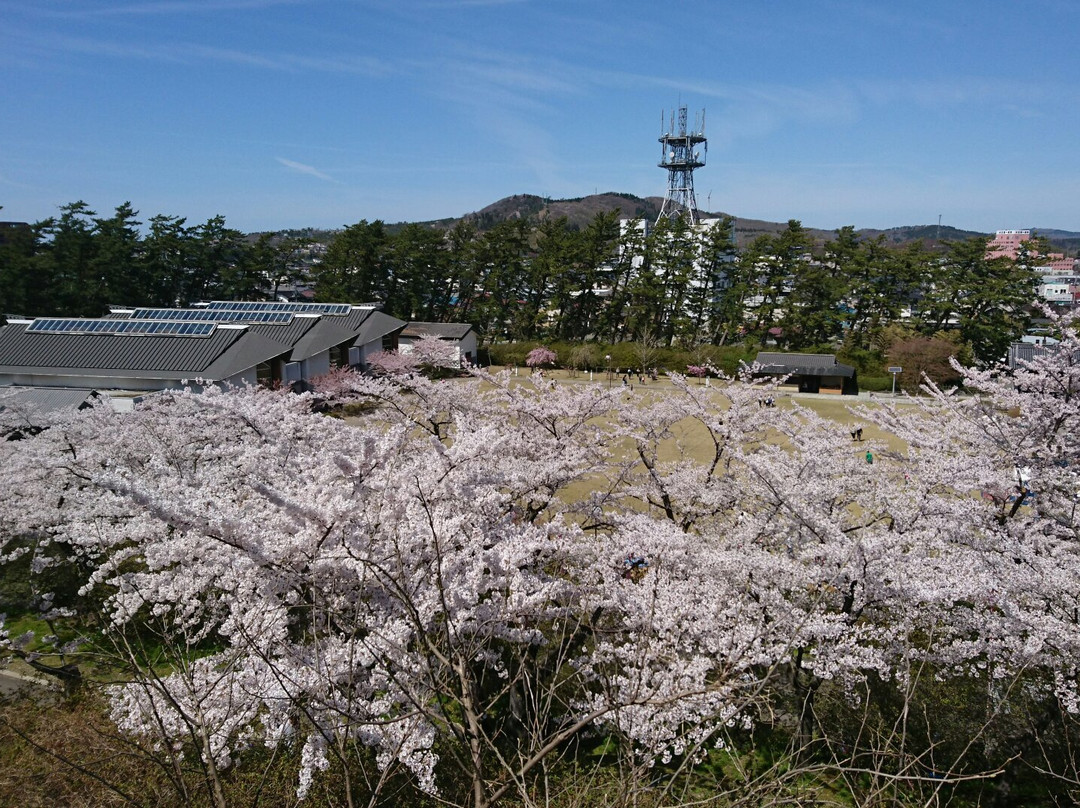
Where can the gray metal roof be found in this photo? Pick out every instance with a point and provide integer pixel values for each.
(44, 401)
(357, 317)
(378, 325)
(1031, 351)
(440, 330)
(777, 364)
(223, 354)
(329, 332)
(286, 335)
(147, 357)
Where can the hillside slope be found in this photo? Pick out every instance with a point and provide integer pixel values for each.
(580, 211)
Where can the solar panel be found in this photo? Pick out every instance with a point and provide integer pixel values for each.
(56, 325)
(335, 309)
(215, 315)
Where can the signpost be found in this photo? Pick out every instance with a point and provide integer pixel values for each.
(895, 370)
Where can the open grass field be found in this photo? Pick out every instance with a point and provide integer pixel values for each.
(833, 407)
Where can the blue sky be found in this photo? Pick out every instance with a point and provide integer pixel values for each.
(293, 113)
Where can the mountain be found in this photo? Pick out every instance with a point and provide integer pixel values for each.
(580, 211)
(1066, 240)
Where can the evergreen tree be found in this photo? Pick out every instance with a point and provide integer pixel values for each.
(72, 248)
(356, 266)
(220, 265)
(880, 282)
(24, 287)
(629, 258)
(550, 277)
(712, 301)
(986, 299)
(167, 258)
(461, 293)
(591, 272)
(419, 273)
(116, 267)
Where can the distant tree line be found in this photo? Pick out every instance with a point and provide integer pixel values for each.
(546, 280)
(79, 263)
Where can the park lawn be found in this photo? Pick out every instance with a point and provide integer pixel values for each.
(691, 439)
(835, 408)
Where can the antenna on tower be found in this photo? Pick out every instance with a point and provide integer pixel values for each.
(681, 152)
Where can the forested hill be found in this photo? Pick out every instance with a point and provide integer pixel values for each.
(579, 212)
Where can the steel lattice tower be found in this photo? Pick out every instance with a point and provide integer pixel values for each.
(683, 151)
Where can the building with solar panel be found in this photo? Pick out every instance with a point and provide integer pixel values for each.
(134, 351)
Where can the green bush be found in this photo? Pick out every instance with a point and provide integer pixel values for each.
(876, 384)
(625, 356)
(866, 362)
(509, 353)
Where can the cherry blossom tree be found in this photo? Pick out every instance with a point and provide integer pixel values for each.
(429, 354)
(393, 363)
(434, 353)
(482, 572)
(541, 356)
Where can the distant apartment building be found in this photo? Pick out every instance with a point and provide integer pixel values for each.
(1059, 283)
(1007, 243)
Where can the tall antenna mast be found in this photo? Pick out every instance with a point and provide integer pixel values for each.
(683, 151)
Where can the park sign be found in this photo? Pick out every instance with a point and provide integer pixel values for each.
(894, 370)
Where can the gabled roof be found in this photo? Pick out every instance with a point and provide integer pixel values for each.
(333, 331)
(377, 326)
(306, 334)
(780, 364)
(440, 330)
(287, 335)
(220, 355)
(220, 352)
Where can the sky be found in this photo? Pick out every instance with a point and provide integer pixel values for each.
(321, 113)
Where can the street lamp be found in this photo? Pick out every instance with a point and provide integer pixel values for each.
(607, 364)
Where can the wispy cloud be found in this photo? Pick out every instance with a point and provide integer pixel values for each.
(301, 168)
(4, 180)
(195, 53)
(283, 61)
(444, 4)
(154, 7)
